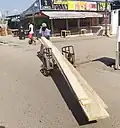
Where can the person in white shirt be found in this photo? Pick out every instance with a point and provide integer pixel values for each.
(31, 29)
(31, 34)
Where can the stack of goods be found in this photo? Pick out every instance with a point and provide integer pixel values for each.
(3, 32)
(9, 31)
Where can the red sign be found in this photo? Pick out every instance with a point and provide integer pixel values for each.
(92, 6)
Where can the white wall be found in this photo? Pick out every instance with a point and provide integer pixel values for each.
(114, 21)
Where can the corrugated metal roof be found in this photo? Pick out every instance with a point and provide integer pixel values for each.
(34, 8)
(63, 15)
(70, 15)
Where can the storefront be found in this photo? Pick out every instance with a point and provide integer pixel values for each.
(69, 20)
(88, 7)
(72, 15)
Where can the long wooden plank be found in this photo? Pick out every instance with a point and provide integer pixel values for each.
(96, 103)
(87, 87)
(80, 93)
(92, 106)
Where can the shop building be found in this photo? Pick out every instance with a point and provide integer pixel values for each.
(75, 16)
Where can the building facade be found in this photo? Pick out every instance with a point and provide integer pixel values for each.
(70, 15)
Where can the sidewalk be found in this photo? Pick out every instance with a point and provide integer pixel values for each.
(11, 39)
(15, 40)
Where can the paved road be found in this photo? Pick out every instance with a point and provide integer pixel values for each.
(28, 99)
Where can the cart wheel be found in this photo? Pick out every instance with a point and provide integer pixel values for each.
(42, 70)
(46, 72)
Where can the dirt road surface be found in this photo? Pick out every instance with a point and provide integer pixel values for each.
(28, 99)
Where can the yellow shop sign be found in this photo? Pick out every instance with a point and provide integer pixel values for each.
(101, 6)
(81, 5)
(76, 5)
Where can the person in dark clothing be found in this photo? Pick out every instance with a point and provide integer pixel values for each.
(21, 32)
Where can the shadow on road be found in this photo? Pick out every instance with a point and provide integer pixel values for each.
(69, 98)
(107, 61)
(2, 127)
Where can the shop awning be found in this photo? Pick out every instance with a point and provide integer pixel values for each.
(70, 15)
(92, 14)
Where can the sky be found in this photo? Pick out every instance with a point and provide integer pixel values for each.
(14, 6)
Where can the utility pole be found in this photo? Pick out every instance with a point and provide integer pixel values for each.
(39, 4)
(106, 18)
(34, 13)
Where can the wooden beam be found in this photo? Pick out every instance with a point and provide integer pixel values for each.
(91, 103)
(80, 93)
(78, 23)
(67, 26)
(52, 27)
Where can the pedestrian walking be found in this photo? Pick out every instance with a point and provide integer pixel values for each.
(21, 32)
(31, 34)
